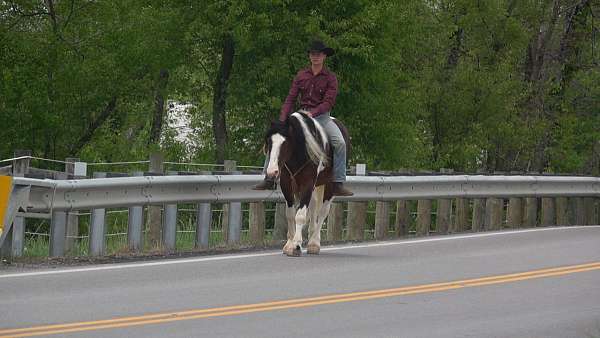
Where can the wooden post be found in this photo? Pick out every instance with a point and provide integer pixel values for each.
(280, 228)
(514, 219)
(493, 213)
(562, 214)
(579, 211)
(423, 217)
(382, 220)
(444, 211)
(156, 167)
(257, 223)
(548, 212)
(589, 212)
(462, 215)
(478, 215)
(402, 218)
(335, 222)
(530, 214)
(357, 213)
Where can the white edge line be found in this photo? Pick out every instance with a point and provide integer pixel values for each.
(278, 252)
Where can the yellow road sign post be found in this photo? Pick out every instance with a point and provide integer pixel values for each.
(5, 190)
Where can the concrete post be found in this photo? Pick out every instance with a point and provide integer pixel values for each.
(135, 225)
(203, 221)
(155, 218)
(169, 233)
(98, 227)
(72, 217)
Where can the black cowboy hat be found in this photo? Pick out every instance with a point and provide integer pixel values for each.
(319, 46)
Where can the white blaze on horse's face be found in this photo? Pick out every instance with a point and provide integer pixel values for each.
(276, 143)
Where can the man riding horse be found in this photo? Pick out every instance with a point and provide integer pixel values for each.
(317, 87)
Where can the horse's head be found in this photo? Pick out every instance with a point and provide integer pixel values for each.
(277, 146)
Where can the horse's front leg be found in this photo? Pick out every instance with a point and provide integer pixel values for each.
(300, 220)
(314, 227)
(290, 215)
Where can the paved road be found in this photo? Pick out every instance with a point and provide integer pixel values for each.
(543, 283)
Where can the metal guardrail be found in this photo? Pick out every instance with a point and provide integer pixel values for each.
(46, 195)
(42, 196)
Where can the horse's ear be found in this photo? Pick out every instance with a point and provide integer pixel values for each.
(279, 126)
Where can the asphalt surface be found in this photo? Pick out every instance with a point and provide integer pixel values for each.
(545, 304)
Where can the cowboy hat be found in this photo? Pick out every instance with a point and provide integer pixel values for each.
(319, 46)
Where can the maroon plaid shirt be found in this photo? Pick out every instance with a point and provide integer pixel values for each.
(317, 93)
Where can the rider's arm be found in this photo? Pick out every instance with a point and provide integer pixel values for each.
(329, 97)
(290, 100)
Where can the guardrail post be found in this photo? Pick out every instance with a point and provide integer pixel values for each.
(462, 215)
(478, 214)
(169, 233)
(98, 227)
(514, 219)
(357, 213)
(335, 222)
(444, 211)
(135, 225)
(562, 213)
(72, 217)
(548, 212)
(423, 217)
(493, 213)
(58, 229)
(15, 239)
(382, 219)
(280, 228)
(256, 226)
(402, 221)
(203, 221)
(531, 209)
(155, 218)
(233, 227)
(590, 212)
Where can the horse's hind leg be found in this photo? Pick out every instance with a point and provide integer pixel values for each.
(314, 230)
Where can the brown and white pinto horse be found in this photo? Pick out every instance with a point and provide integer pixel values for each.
(300, 155)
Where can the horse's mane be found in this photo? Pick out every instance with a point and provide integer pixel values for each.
(310, 137)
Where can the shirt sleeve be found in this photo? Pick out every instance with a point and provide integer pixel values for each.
(329, 98)
(290, 100)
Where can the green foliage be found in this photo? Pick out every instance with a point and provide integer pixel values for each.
(424, 84)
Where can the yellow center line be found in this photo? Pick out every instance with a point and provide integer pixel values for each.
(292, 303)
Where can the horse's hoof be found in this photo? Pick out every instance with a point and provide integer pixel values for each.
(295, 252)
(313, 249)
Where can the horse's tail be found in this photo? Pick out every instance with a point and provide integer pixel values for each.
(312, 136)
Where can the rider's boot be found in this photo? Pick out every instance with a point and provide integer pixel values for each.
(267, 184)
(340, 190)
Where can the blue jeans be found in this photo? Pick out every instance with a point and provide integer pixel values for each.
(336, 139)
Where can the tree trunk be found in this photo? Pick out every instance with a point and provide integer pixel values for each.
(159, 107)
(87, 137)
(220, 98)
